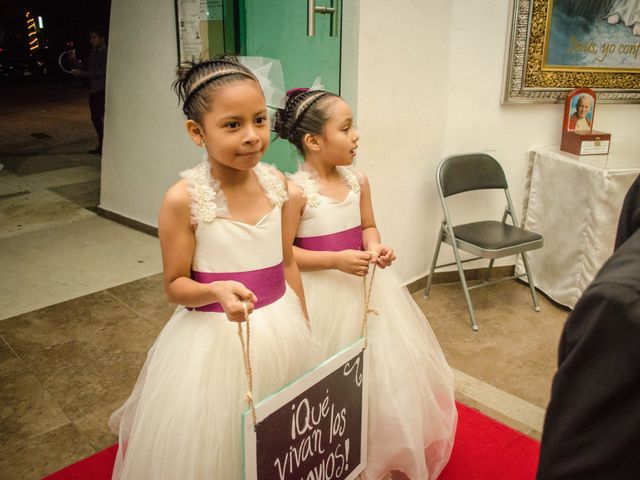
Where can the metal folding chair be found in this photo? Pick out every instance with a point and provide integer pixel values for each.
(488, 239)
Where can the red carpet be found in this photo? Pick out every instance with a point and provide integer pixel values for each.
(484, 450)
(488, 450)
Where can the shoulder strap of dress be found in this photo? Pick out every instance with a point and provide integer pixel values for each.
(273, 186)
(309, 187)
(350, 176)
(203, 195)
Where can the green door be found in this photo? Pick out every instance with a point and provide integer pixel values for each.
(278, 29)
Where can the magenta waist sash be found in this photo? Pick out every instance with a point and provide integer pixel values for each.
(334, 242)
(267, 284)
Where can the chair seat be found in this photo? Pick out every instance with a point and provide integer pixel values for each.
(493, 235)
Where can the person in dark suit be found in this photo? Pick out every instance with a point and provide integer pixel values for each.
(630, 215)
(592, 425)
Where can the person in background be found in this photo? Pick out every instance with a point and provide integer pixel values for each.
(96, 74)
(592, 426)
(412, 415)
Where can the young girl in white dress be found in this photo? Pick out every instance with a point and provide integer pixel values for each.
(412, 415)
(222, 246)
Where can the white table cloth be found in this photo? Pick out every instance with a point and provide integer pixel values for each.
(574, 202)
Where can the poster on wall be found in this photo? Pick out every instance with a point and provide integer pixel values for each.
(314, 428)
(200, 29)
(558, 45)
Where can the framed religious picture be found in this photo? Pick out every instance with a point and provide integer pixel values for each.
(580, 107)
(578, 135)
(556, 45)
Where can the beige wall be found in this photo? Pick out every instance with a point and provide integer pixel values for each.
(402, 103)
(426, 79)
(145, 143)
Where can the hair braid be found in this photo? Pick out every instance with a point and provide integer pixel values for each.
(195, 80)
(305, 111)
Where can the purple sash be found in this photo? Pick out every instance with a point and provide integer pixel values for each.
(346, 240)
(267, 284)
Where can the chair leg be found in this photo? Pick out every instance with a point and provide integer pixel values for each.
(433, 264)
(487, 275)
(536, 307)
(463, 280)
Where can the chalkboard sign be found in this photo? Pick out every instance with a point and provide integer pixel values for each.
(316, 427)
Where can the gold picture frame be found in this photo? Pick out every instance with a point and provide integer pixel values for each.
(533, 76)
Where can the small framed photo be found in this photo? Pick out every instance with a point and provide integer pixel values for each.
(578, 135)
(579, 110)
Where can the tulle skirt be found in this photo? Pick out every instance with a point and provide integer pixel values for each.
(412, 414)
(183, 419)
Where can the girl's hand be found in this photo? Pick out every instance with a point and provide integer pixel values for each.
(354, 262)
(231, 295)
(383, 257)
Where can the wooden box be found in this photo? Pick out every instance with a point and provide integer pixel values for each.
(585, 142)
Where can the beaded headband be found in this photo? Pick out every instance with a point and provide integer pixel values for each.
(301, 109)
(232, 70)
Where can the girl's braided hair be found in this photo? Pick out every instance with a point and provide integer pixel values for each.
(305, 111)
(196, 80)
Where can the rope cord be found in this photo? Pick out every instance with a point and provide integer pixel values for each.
(367, 308)
(245, 338)
(245, 341)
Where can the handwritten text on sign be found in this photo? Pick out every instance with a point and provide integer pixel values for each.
(317, 432)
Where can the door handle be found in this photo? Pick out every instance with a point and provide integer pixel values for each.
(333, 10)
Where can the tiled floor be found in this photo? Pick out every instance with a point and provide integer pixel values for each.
(46, 227)
(57, 370)
(504, 369)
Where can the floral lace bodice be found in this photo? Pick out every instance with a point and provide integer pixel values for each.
(306, 180)
(324, 215)
(207, 197)
(228, 245)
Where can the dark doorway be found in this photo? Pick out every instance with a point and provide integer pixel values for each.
(46, 132)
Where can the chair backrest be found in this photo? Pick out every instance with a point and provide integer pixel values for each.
(474, 171)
